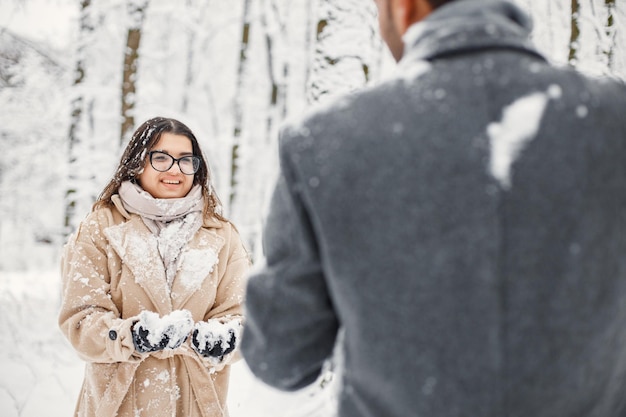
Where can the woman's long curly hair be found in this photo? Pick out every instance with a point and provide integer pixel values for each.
(134, 160)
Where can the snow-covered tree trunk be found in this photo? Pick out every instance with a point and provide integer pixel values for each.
(189, 62)
(618, 25)
(574, 44)
(136, 15)
(238, 102)
(258, 86)
(274, 18)
(33, 127)
(94, 123)
(275, 30)
(346, 50)
(79, 146)
(610, 30)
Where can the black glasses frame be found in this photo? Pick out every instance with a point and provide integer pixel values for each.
(195, 162)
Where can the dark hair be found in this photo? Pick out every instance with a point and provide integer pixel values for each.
(438, 3)
(135, 156)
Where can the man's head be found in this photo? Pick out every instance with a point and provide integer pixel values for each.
(396, 16)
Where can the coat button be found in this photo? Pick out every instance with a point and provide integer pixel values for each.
(112, 335)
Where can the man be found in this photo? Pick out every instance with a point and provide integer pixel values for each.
(463, 223)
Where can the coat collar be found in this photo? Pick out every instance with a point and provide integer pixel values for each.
(469, 25)
(137, 248)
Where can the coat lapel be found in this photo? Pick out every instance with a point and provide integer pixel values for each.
(137, 247)
(197, 261)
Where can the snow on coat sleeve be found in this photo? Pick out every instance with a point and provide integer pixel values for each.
(291, 326)
(89, 318)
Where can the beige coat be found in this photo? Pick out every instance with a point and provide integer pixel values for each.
(111, 272)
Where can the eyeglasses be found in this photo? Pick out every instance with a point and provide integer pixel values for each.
(162, 162)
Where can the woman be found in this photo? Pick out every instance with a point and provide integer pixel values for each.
(153, 284)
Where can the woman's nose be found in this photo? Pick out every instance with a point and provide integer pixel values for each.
(175, 166)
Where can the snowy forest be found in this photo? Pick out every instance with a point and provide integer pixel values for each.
(77, 77)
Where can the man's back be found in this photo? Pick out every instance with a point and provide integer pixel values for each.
(464, 225)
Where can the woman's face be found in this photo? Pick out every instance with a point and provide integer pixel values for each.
(171, 183)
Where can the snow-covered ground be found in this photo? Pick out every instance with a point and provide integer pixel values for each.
(41, 375)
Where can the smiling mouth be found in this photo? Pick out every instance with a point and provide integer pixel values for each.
(171, 182)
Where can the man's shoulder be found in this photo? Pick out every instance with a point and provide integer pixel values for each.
(581, 83)
(347, 112)
(608, 89)
(604, 96)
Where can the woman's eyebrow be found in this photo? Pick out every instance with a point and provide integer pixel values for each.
(185, 153)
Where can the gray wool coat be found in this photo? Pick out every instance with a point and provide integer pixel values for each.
(464, 223)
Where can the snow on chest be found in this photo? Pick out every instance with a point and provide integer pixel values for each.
(192, 264)
(196, 265)
(191, 260)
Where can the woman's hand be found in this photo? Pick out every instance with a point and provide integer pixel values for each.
(152, 333)
(214, 339)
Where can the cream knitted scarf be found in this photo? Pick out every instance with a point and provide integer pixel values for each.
(174, 221)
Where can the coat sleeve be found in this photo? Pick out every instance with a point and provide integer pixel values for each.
(88, 317)
(291, 325)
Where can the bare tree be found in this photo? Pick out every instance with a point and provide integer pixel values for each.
(346, 47)
(274, 17)
(189, 74)
(610, 32)
(574, 45)
(238, 100)
(278, 66)
(136, 15)
(79, 105)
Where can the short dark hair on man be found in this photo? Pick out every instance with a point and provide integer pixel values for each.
(438, 3)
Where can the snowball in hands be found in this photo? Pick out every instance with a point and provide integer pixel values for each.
(215, 339)
(153, 333)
